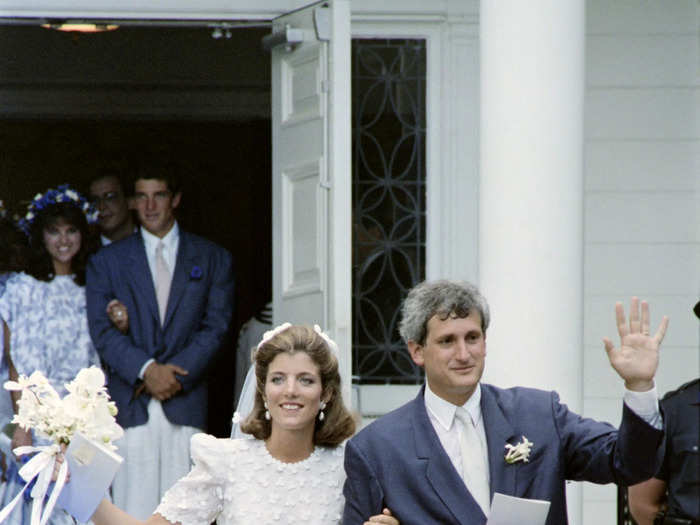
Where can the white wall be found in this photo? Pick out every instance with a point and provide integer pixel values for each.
(642, 193)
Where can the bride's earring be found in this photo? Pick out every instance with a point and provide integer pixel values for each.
(321, 415)
(267, 412)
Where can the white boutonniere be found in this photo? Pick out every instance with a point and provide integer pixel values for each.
(236, 418)
(518, 452)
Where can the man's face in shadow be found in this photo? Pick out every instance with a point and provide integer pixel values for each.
(108, 198)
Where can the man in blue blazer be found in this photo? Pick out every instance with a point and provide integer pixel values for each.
(177, 290)
(440, 458)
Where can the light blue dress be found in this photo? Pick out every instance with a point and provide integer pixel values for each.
(5, 401)
(49, 332)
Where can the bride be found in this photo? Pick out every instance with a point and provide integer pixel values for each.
(293, 471)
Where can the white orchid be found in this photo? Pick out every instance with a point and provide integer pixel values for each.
(89, 382)
(23, 382)
(86, 408)
(519, 451)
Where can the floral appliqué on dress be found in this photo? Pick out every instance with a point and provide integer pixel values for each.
(238, 482)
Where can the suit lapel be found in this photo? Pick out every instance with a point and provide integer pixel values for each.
(141, 278)
(184, 262)
(498, 432)
(439, 471)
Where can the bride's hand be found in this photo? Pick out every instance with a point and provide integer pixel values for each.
(60, 458)
(385, 517)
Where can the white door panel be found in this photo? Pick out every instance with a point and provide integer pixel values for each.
(302, 219)
(311, 173)
(298, 130)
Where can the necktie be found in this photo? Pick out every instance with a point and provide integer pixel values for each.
(474, 465)
(162, 281)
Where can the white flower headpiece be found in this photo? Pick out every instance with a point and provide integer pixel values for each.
(331, 344)
(267, 336)
(272, 333)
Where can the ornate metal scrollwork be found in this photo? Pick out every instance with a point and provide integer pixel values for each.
(389, 98)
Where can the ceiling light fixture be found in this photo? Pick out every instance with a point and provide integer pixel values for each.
(80, 27)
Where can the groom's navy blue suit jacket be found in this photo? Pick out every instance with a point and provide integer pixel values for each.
(200, 306)
(398, 461)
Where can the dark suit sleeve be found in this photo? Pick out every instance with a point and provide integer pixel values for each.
(596, 452)
(115, 348)
(197, 354)
(666, 451)
(363, 495)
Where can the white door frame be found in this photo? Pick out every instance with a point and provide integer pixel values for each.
(140, 10)
(452, 154)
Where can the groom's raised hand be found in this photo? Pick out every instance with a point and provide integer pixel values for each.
(637, 358)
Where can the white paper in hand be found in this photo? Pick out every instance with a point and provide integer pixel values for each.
(92, 468)
(509, 510)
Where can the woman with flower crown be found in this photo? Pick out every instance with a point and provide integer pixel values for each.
(292, 472)
(43, 310)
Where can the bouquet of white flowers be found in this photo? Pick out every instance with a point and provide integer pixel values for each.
(85, 409)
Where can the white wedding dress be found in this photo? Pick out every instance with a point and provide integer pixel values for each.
(237, 481)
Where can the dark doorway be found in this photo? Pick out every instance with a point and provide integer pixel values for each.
(73, 104)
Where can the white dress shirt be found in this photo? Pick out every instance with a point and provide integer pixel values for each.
(171, 242)
(442, 417)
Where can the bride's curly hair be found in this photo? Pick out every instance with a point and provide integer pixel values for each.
(338, 424)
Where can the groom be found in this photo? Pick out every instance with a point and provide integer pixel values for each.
(441, 457)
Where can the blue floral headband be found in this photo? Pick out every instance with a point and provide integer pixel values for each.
(62, 194)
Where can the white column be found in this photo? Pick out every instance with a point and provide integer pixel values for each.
(531, 196)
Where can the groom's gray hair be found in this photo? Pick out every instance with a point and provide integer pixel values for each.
(442, 298)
